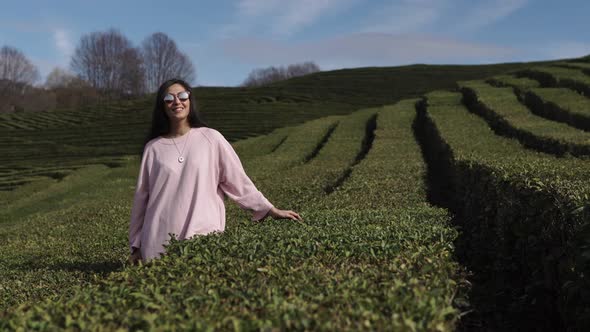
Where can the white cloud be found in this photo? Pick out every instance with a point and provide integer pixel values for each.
(488, 12)
(280, 17)
(257, 7)
(452, 16)
(405, 16)
(363, 49)
(63, 43)
(303, 13)
(283, 18)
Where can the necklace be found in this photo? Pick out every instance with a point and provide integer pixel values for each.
(180, 157)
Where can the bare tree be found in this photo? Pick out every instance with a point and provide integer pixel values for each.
(163, 60)
(70, 91)
(262, 76)
(60, 78)
(16, 71)
(109, 62)
(131, 68)
(301, 69)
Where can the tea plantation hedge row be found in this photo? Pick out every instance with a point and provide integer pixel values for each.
(28, 212)
(14, 175)
(301, 185)
(393, 171)
(55, 235)
(372, 254)
(518, 83)
(507, 116)
(524, 215)
(343, 268)
(557, 104)
(561, 105)
(118, 128)
(584, 66)
(549, 77)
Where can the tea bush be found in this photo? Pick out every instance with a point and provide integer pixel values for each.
(507, 116)
(380, 267)
(522, 212)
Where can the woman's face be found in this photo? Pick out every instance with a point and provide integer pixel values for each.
(176, 110)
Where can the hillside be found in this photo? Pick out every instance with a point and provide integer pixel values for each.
(462, 208)
(52, 144)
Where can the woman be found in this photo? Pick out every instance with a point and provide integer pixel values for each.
(186, 168)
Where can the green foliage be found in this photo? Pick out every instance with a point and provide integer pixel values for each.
(555, 76)
(392, 172)
(507, 116)
(584, 66)
(559, 104)
(521, 83)
(300, 186)
(287, 151)
(372, 253)
(520, 211)
(339, 270)
(64, 235)
(64, 137)
(389, 265)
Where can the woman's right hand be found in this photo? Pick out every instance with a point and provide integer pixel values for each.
(135, 257)
(284, 214)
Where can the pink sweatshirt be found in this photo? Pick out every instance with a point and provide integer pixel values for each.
(188, 198)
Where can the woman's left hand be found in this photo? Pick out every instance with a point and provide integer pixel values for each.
(284, 214)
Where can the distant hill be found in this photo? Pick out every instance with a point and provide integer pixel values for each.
(41, 144)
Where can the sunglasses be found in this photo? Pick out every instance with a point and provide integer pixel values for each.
(182, 96)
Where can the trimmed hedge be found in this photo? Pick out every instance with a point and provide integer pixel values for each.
(379, 270)
(261, 145)
(557, 104)
(550, 77)
(300, 144)
(69, 233)
(392, 173)
(300, 186)
(518, 83)
(584, 66)
(341, 269)
(118, 128)
(501, 108)
(524, 215)
(561, 105)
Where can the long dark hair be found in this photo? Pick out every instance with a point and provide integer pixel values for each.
(160, 122)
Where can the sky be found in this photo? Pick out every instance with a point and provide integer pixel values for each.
(227, 39)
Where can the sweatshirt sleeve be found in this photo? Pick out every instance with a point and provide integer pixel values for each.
(140, 201)
(236, 184)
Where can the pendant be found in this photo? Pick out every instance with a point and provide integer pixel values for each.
(180, 159)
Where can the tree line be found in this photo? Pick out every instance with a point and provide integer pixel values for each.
(107, 66)
(264, 76)
(104, 66)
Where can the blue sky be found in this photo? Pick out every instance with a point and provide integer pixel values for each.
(226, 39)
